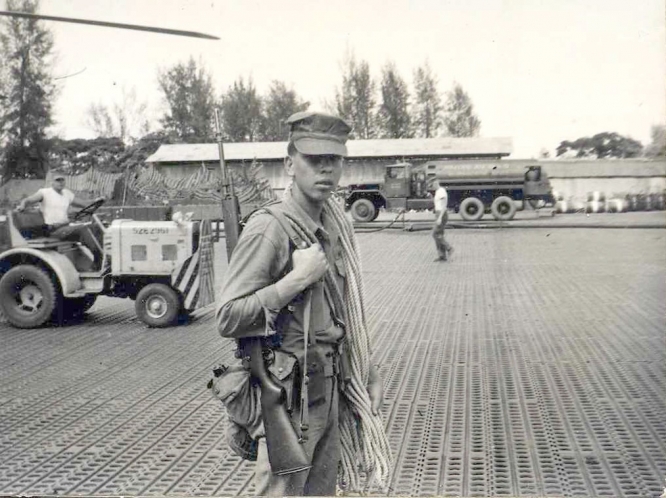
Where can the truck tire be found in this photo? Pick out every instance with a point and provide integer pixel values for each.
(28, 296)
(503, 208)
(363, 210)
(471, 209)
(157, 305)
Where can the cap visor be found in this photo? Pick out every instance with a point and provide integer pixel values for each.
(319, 147)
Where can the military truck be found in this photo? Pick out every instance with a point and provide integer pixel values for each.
(475, 187)
(164, 266)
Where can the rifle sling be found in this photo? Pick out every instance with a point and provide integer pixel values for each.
(299, 243)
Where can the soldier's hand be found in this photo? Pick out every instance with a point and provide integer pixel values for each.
(310, 264)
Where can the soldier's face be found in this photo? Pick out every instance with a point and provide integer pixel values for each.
(316, 177)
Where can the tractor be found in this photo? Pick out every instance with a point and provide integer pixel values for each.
(166, 267)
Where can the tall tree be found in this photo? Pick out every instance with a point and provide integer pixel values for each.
(4, 94)
(280, 103)
(393, 120)
(427, 109)
(125, 119)
(242, 117)
(78, 155)
(190, 99)
(601, 145)
(26, 54)
(459, 117)
(657, 147)
(355, 99)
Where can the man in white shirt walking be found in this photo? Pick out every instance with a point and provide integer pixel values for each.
(444, 249)
(54, 205)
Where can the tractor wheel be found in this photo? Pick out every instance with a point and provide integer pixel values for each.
(471, 209)
(503, 208)
(157, 305)
(28, 296)
(363, 210)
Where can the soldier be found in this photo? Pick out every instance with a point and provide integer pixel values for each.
(263, 296)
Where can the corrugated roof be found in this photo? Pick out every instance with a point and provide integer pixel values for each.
(358, 149)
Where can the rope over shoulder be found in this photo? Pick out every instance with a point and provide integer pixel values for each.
(366, 454)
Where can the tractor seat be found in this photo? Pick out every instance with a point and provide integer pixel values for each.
(32, 228)
(29, 224)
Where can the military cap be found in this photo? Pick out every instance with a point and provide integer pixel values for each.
(318, 134)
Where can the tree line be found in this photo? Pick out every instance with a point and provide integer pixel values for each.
(374, 110)
(387, 107)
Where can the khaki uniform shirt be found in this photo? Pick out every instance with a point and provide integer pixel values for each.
(249, 302)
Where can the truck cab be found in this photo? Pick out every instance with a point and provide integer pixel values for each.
(404, 187)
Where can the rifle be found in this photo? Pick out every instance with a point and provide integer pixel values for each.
(285, 451)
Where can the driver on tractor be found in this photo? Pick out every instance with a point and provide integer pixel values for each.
(54, 205)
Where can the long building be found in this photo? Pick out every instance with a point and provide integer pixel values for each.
(365, 161)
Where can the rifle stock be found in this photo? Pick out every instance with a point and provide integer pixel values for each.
(285, 453)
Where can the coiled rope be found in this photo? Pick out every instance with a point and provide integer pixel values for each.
(366, 454)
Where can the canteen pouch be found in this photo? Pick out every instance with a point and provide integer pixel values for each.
(232, 386)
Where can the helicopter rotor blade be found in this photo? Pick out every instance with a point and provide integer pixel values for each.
(105, 24)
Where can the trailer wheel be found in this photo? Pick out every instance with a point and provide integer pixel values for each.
(28, 296)
(503, 208)
(471, 209)
(363, 210)
(157, 305)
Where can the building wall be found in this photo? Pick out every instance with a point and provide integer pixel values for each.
(358, 171)
(605, 168)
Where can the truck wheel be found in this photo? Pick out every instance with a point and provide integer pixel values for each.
(471, 209)
(503, 208)
(363, 210)
(157, 305)
(28, 296)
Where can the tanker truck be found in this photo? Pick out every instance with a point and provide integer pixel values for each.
(475, 187)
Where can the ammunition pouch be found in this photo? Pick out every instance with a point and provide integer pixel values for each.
(283, 368)
(323, 361)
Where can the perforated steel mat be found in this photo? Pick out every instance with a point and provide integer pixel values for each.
(532, 364)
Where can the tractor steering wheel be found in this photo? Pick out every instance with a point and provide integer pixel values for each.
(88, 210)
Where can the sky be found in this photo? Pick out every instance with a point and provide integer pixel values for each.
(538, 71)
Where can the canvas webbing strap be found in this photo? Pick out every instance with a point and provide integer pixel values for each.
(299, 243)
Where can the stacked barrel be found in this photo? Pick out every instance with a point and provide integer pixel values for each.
(646, 202)
(598, 202)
